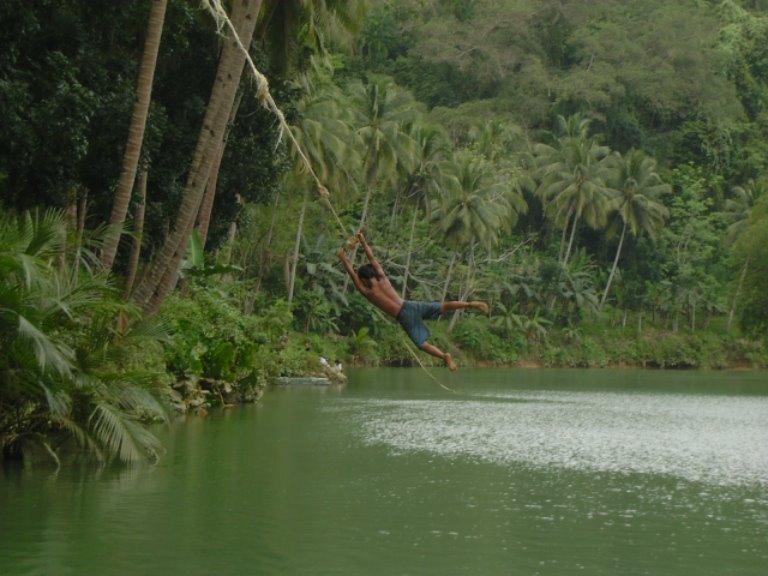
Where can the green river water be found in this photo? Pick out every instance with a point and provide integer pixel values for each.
(516, 472)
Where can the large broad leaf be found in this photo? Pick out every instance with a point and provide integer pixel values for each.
(195, 256)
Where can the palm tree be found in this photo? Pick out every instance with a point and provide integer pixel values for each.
(163, 272)
(135, 131)
(432, 149)
(325, 135)
(572, 174)
(472, 204)
(636, 203)
(505, 146)
(471, 208)
(739, 209)
(383, 115)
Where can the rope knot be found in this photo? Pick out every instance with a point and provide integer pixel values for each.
(262, 90)
(350, 243)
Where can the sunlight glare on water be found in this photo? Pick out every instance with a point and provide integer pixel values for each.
(714, 439)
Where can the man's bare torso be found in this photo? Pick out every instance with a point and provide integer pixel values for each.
(381, 293)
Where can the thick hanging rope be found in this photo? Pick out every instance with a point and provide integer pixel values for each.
(265, 98)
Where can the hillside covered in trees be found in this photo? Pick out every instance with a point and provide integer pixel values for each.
(596, 171)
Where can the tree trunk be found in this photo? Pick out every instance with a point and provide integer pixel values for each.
(410, 250)
(162, 274)
(70, 218)
(736, 296)
(229, 246)
(267, 242)
(464, 294)
(297, 246)
(693, 317)
(563, 236)
(448, 277)
(570, 241)
(82, 210)
(138, 234)
(613, 268)
(135, 132)
(206, 207)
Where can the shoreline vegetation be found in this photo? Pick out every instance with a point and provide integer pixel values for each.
(169, 226)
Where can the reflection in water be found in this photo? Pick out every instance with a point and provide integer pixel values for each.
(714, 439)
(392, 476)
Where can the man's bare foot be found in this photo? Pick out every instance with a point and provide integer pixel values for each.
(450, 363)
(482, 306)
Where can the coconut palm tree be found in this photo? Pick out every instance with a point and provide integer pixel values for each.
(472, 203)
(135, 131)
(324, 133)
(572, 180)
(636, 205)
(506, 147)
(384, 114)
(471, 208)
(433, 148)
(738, 210)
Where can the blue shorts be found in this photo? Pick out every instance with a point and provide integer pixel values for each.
(412, 316)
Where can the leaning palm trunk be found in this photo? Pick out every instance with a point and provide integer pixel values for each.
(736, 296)
(135, 132)
(163, 272)
(613, 268)
(448, 277)
(263, 256)
(563, 237)
(297, 246)
(138, 234)
(82, 210)
(206, 207)
(464, 294)
(570, 241)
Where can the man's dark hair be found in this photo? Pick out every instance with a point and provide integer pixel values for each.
(367, 271)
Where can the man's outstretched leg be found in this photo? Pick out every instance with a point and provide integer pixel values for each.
(457, 305)
(437, 353)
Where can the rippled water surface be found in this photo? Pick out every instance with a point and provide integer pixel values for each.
(515, 472)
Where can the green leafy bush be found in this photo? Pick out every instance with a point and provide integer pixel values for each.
(211, 338)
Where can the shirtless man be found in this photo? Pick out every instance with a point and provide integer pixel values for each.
(372, 282)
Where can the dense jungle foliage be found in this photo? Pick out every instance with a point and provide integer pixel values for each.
(596, 171)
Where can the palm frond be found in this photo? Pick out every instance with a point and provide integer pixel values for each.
(50, 355)
(122, 434)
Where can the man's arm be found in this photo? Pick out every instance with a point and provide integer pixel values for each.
(348, 267)
(369, 255)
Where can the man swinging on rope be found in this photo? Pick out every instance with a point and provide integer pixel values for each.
(371, 281)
